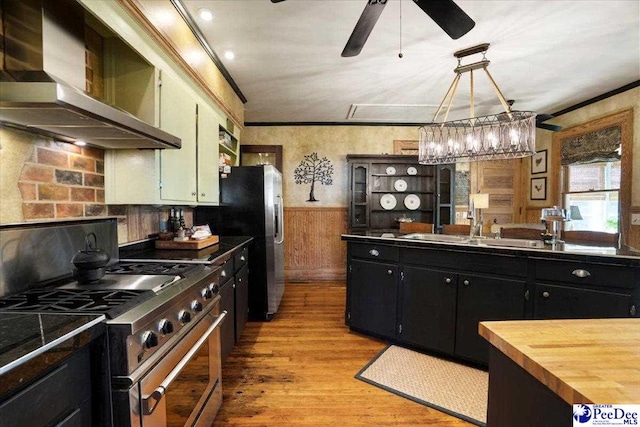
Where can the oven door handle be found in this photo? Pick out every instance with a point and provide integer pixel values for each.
(150, 402)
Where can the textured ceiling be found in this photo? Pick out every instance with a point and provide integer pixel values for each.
(546, 55)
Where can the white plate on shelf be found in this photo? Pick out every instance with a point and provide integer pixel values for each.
(400, 185)
(391, 170)
(388, 201)
(412, 202)
(412, 171)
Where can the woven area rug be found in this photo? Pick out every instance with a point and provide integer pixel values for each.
(449, 387)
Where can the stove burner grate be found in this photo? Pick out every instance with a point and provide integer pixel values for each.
(149, 268)
(112, 303)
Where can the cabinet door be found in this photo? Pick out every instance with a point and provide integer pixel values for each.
(207, 155)
(483, 298)
(563, 302)
(242, 300)
(359, 215)
(445, 187)
(428, 308)
(178, 167)
(227, 330)
(372, 290)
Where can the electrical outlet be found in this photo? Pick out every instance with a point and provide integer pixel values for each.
(635, 219)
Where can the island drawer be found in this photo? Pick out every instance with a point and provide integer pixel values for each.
(373, 252)
(583, 273)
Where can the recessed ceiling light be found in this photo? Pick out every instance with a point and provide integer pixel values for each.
(229, 54)
(80, 143)
(205, 14)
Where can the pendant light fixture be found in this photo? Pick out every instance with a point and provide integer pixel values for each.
(506, 135)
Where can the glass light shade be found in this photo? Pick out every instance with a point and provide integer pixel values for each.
(495, 137)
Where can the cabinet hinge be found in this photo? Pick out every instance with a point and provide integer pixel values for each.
(400, 328)
(402, 276)
(350, 269)
(526, 295)
(349, 315)
(160, 184)
(159, 81)
(632, 311)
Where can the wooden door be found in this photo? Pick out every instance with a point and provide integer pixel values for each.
(501, 180)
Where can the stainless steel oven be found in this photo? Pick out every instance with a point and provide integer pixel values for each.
(183, 388)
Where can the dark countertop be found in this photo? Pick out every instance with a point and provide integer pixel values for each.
(214, 254)
(557, 251)
(30, 343)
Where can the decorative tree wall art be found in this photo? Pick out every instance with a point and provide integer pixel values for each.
(313, 169)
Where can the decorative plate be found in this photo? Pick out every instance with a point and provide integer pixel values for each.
(388, 201)
(412, 171)
(412, 202)
(391, 170)
(400, 185)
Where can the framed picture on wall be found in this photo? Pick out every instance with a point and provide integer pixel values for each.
(539, 162)
(538, 188)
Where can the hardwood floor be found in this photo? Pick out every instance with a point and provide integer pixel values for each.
(298, 370)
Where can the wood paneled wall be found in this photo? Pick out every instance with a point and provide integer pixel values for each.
(313, 249)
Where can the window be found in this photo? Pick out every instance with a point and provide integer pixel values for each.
(592, 195)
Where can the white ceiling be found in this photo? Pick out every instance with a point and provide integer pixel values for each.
(546, 55)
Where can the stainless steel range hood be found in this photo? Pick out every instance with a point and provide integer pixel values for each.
(44, 66)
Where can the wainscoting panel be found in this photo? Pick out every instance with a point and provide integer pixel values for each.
(313, 249)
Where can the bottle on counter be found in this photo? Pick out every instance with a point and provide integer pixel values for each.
(181, 220)
(171, 223)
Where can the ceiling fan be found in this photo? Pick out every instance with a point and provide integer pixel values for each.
(445, 13)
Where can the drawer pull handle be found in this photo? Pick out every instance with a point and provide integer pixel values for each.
(374, 252)
(581, 273)
(447, 280)
(389, 272)
(545, 294)
(466, 283)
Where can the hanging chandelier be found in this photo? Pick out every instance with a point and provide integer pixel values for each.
(506, 135)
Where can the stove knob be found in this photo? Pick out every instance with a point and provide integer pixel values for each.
(149, 340)
(184, 316)
(165, 327)
(214, 288)
(206, 293)
(196, 306)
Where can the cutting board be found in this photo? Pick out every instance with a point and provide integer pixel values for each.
(187, 244)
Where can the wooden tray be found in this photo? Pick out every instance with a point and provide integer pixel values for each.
(187, 244)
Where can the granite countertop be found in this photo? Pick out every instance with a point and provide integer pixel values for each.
(209, 255)
(556, 250)
(32, 342)
(580, 360)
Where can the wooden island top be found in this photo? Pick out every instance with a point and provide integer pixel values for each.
(580, 360)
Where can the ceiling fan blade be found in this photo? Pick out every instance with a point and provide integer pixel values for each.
(553, 128)
(544, 117)
(448, 16)
(363, 28)
(276, 1)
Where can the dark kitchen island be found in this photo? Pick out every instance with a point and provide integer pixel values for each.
(431, 295)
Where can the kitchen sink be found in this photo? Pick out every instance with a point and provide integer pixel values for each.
(514, 243)
(437, 237)
(479, 241)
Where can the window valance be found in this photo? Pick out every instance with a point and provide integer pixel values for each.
(600, 146)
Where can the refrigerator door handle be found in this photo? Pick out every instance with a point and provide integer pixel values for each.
(280, 220)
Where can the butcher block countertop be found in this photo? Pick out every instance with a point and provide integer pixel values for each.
(580, 360)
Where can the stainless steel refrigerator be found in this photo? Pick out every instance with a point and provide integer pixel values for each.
(252, 205)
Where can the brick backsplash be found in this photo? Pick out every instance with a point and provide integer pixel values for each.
(62, 181)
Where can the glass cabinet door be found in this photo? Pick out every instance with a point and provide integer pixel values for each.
(445, 183)
(359, 192)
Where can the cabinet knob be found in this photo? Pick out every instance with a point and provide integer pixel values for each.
(632, 311)
(545, 294)
(447, 280)
(466, 283)
(242, 258)
(374, 252)
(202, 194)
(193, 193)
(581, 273)
(389, 272)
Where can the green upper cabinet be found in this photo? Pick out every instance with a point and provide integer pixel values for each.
(208, 155)
(178, 174)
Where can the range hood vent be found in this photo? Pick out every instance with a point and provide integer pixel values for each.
(42, 71)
